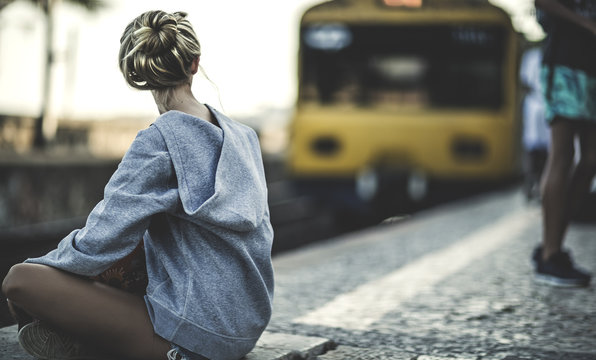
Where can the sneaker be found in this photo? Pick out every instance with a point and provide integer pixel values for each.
(558, 270)
(45, 343)
(537, 256)
(173, 354)
(177, 353)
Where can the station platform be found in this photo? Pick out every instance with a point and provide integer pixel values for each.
(453, 282)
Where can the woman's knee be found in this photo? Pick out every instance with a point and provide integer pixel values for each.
(19, 281)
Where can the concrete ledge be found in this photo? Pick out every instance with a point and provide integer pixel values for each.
(271, 346)
(280, 346)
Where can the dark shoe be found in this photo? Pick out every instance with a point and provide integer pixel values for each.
(537, 256)
(45, 343)
(558, 270)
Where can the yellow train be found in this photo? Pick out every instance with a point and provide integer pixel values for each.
(393, 93)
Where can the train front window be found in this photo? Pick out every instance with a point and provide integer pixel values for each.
(425, 66)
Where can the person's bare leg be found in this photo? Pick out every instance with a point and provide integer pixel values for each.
(94, 313)
(555, 185)
(584, 172)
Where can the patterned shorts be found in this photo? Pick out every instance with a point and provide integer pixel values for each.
(129, 274)
(569, 93)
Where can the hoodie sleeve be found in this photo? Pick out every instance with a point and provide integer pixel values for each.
(140, 188)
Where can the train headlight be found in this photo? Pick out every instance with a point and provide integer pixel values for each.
(417, 186)
(367, 184)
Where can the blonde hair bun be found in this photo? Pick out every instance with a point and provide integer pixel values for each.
(157, 50)
(158, 34)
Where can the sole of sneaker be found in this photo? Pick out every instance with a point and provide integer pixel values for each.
(559, 282)
(44, 343)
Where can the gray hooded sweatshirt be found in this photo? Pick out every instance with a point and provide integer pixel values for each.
(196, 194)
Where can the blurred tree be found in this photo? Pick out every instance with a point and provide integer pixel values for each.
(47, 6)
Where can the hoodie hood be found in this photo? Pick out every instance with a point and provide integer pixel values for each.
(211, 163)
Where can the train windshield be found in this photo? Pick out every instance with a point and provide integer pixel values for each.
(422, 66)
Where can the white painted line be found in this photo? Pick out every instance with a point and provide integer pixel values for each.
(368, 303)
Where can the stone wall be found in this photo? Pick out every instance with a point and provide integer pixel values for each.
(45, 191)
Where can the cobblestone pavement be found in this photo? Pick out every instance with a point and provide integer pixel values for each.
(487, 307)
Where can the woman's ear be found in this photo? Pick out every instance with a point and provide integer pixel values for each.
(194, 67)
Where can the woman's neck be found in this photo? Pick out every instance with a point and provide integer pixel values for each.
(181, 99)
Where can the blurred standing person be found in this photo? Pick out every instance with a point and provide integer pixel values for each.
(535, 130)
(569, 83)
(190, 194)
